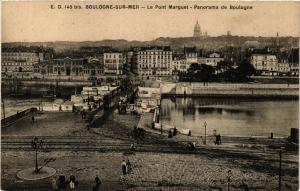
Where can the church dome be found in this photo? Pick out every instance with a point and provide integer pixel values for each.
(197, 30)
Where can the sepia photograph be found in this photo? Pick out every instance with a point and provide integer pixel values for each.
(155, 95)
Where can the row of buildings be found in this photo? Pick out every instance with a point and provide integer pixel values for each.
(269, 64)
(143, 61)
(146, 62)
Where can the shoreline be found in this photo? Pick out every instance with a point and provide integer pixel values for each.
(231, 96)
(227, 90)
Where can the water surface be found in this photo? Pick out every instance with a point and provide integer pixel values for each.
(235, 117)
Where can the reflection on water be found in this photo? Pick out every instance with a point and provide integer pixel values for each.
(232, 116)
(206, 110)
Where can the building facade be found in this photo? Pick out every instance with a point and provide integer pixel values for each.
(179, 64)
(152, 61)
(113, 63)
(213, 59)
(22, 60)
(69, 68)
(265, 64)
(294, 69)
(191, 55)
(283, 68)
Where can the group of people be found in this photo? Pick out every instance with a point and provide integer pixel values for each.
(72, 183)
(172, 133)
(126, 167)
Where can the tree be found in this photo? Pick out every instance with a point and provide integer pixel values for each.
(246, 69)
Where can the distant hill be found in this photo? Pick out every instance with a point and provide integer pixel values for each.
(175, 43)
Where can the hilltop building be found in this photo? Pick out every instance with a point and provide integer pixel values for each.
(197, 31)
(277, 39)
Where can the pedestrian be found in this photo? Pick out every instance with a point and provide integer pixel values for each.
(175, 131)
(128, 165)
(32, 119)
(170, 133)
(81, 112)
(97, 183)
(124, 167)
(132, 147)
(190, 133)
(72, 182)
(218, 139)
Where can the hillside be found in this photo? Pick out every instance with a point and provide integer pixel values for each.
(175, 43)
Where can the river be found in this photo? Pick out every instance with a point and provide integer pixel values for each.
(232, 117)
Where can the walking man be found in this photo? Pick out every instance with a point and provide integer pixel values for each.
(72, 182)
(128, 165)
(97, 183)
(132, 147)
(124, 167)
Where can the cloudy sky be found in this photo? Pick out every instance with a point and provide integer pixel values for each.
(36, 21)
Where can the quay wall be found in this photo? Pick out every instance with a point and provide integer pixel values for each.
(48, 82)
(234, 90)
(37, 87)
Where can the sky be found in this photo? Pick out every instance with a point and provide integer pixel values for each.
(37, 22)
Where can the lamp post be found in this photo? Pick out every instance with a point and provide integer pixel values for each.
(36, 145)
(205, 124)
(160, 113)
(279, 178)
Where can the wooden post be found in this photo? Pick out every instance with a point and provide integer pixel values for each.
(41, 108)
(3, 108)
(205, 133)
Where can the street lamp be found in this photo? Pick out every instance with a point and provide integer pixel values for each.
(205, 124)
(280, 173)
(36, 145)
(160, 111)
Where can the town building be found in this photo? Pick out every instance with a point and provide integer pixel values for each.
(283, 68)
(191, 55)
(293, 60)
(68, 68)
(294, 69)
(152, 61)
(265, 64)
(179, 64)
(22, 59)
(113, 63)
(213, 59)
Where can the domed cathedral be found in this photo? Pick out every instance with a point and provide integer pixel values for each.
(197, 31)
